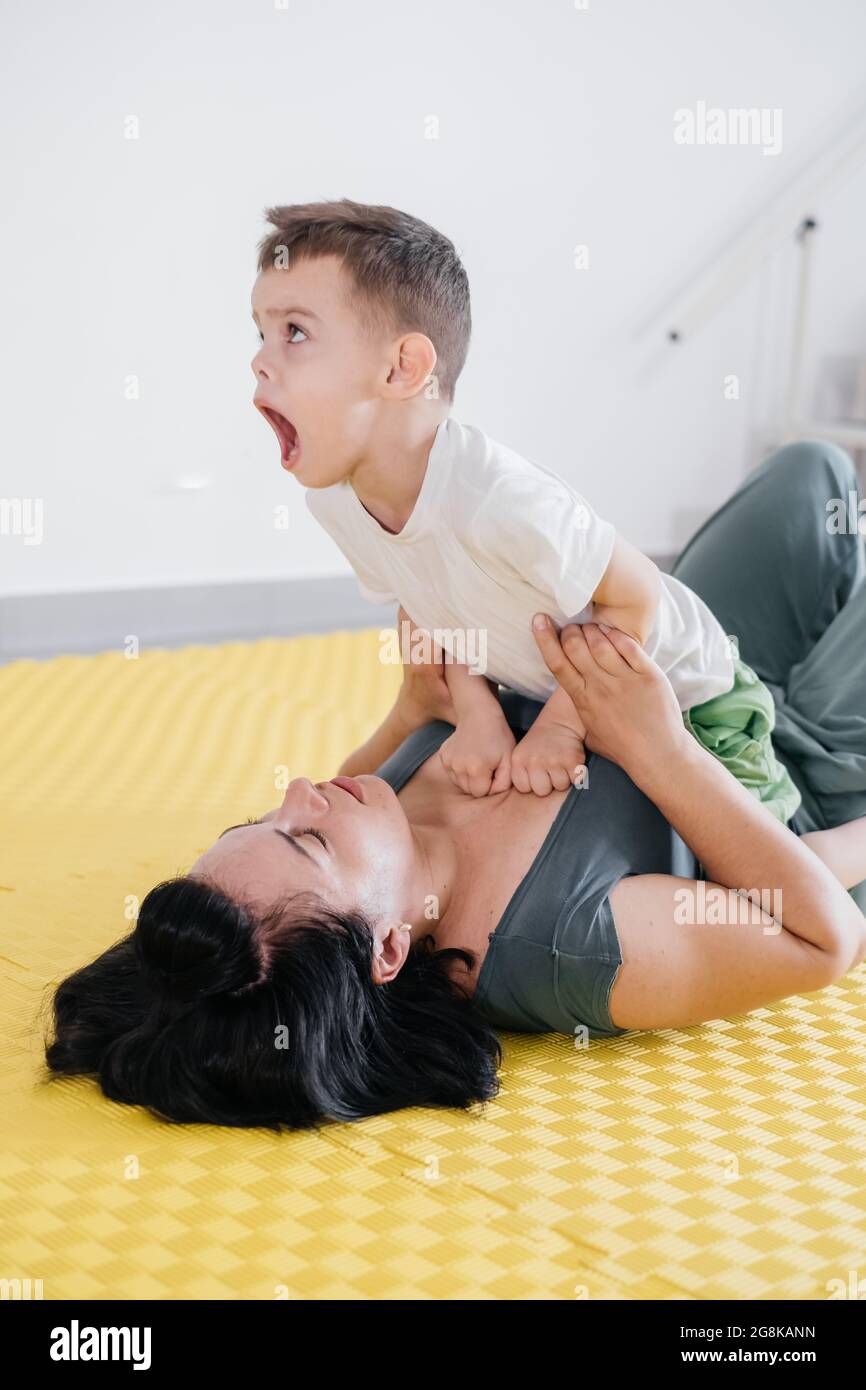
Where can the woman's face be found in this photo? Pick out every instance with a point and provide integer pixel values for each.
(370, 859)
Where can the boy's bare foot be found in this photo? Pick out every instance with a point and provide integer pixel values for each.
(549, 756)
(477, 756)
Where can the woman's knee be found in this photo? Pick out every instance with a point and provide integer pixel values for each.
(816, 466)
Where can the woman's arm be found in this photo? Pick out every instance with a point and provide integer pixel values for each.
(683, 963)
(842, 849)
(423, 696)
(395, 727)
(695, 951)
(744, 848)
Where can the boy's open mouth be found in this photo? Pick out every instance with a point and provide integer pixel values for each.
(286, 433)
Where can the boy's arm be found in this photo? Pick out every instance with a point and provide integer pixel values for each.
(627, 597)
(628, 594)
(552, 752)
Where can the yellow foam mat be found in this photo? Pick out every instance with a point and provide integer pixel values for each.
(725, 1161)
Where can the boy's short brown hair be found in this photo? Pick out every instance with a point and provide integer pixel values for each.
(406, 276)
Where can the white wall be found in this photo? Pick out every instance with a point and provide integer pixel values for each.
(137, 256)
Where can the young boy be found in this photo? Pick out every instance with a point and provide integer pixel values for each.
(457, 528)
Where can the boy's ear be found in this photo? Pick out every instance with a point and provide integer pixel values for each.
(412, 359)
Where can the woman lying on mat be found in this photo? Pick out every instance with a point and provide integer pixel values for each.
(352, 951)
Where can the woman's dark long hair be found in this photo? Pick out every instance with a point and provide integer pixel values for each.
(209, 1012)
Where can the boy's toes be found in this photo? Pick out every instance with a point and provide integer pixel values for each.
(541, 783)
(520, 779)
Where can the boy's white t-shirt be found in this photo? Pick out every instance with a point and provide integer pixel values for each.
(493, 539)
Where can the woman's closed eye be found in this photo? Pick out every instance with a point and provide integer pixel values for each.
(310, 830)
(318, 834)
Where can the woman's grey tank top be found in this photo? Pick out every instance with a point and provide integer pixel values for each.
(554, 954)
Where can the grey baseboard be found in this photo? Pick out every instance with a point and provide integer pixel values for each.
(45, 625)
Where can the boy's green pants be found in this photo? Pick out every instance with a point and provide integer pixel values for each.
(736, 728)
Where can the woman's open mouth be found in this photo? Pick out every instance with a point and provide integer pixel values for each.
(290, 444)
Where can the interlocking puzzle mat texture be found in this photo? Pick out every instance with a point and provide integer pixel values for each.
(723, 1161)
